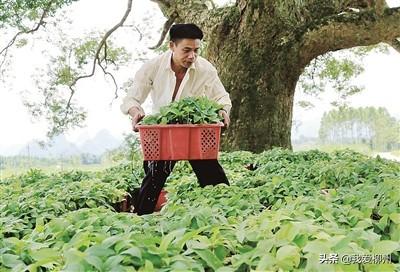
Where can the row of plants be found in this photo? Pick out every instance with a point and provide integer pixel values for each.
(282, 211)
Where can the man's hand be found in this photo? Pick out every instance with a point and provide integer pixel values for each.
(136, 115)
(225, 115)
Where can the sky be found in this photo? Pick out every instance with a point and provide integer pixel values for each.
(380, 78)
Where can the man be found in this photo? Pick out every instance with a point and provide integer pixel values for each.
(176, 74)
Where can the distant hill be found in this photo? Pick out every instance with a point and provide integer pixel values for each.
(61, 147)
(100, 143)
(58, 147)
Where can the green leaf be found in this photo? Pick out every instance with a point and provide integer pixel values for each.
(286, 234)
(164, 121)
(10, 260)
(91, 203)
(39, 224)
(180, 266)
(341, 244)
(133, 251)
(221, 252)
(209, 257)
(266, 263)
(167, 239)
(45, 254)
(288, 257)
(395, 233)
(264, 246)
(180, 241)
(395, 217)
(100, 251)
(385, 247)
(75, 266)
(110, 241)
(301, 240)
(113, 262)
(241, 232)
(121, 245)
(95, 261)
(73, 255)
(148, 267)
(380, 267)
(318, 247)
(202, 242)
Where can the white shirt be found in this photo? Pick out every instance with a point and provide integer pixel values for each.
(157, 78)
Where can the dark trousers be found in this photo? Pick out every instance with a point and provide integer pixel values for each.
(208, 172)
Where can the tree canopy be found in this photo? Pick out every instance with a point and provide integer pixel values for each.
(371, 126)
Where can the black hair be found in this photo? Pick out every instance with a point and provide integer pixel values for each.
(185, 31)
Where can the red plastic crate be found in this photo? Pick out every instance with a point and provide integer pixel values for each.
(180, 142)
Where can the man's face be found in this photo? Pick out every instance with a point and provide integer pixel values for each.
(185, 51)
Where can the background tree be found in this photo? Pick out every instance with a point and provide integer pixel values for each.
(371, 126)
(77, 59)
(262, 47)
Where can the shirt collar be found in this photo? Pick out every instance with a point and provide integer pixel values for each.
(167, 64)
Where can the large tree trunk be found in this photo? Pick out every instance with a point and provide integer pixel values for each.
(262, 101)
(260, 73)
(261, 123)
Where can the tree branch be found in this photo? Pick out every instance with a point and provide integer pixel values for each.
(164, 32)
(112, 77)
(137, 29)
(347, 30)
(103, 42)
(38, 25)
(193, 11)
(96, 59)
(41, 22)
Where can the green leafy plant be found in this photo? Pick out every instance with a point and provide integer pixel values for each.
(190, 110)
(281, 215)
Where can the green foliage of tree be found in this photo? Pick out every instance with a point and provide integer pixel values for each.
(336, 71)
(369, 125)
(56, 87)
(20, 13)
(71, 60)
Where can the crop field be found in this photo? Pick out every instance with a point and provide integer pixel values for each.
(284, 211)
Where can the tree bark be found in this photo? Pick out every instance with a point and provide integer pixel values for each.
(260, 71)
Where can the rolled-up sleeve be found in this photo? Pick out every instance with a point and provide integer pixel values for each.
(140, 89)
(218, 92)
